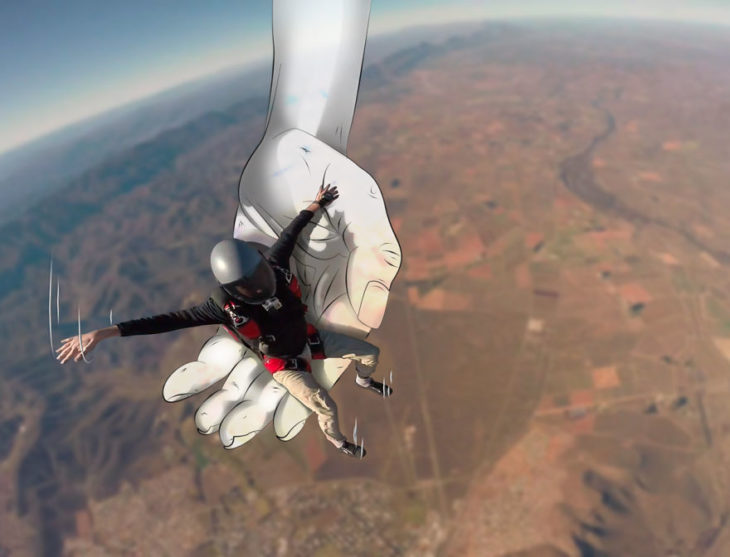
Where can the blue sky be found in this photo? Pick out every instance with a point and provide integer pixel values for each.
(62, 61)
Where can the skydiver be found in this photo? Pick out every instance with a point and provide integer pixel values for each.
(258, 300)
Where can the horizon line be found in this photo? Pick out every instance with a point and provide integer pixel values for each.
(253, 63)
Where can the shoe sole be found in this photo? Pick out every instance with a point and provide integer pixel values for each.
(354, 455)
(376, 390)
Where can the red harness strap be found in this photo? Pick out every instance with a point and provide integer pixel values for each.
(274, 364)
(294, 285)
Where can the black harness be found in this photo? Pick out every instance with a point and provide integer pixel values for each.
(260, 345)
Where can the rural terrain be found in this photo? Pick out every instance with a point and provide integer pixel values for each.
(559, 332)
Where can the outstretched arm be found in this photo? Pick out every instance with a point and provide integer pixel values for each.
(207, 313)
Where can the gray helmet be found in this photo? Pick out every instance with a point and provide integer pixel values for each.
(232, 260)
(242, 271)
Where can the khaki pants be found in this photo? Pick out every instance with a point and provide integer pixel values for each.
(302, 385)
(338, 345)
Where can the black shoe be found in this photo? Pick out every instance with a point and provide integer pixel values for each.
(350, 449)
(378, 388)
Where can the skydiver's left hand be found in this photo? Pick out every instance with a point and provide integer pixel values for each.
(325, 195)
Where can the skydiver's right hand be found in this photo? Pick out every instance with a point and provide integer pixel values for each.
(72, 347)
(77, 347)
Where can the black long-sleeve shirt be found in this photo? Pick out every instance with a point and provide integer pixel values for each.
(287, 324)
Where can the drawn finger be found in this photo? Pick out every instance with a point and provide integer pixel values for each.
(216, 359)
(242, 424)
(328, 372)
(254, 414)
(215, 408)
(289, 418)
(222, 350)
(190, 379)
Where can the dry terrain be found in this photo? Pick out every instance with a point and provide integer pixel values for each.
(559, 333)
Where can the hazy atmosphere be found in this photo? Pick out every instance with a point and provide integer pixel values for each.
(63, 61)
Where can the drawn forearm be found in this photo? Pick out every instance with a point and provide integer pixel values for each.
(318, 52)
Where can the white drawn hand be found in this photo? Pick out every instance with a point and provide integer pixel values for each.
(346, 258)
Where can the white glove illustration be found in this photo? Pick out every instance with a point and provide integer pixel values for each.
(345, 259)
